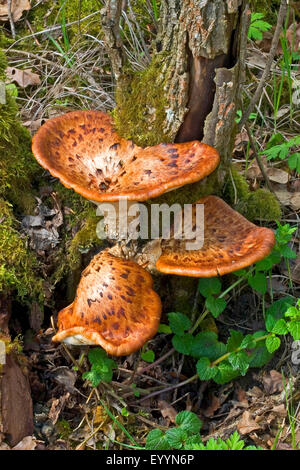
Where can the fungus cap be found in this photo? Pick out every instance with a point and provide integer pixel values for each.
(83, 150)
(115, 307)
(231, 243)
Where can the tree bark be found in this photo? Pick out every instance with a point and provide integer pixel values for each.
(200, 49)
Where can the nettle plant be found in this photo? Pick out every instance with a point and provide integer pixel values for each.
(186, 436)
(224, 361)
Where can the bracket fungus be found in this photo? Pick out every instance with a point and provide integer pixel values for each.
(115, 307)
(230, 243)
(83, 150)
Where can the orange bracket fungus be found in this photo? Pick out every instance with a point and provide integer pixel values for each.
(83, 150)
(230, 243)
(115, 307)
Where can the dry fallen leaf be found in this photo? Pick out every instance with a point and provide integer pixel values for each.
(23, 78)
(278, 176)
(213, 407)
(17, 8)
(167, 410)
(273, 382)
(247, 424)
(57, 407)
(27, 443)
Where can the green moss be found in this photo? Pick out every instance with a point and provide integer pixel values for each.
(258, 205)
(141, 104)
(84, 240)
(63, 428)
(18, 266)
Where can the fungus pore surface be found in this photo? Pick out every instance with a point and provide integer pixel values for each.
(84, 151)
(115, 307)
(231, 243)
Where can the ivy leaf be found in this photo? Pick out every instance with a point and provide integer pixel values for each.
(294, 329)
(182, 344)
(272, 343)
(179, 323)
(215, 306)
(156, 440)
(209, 286)
(206, 344)
(258, 282)
(239, 361)
(204, 369)
(189, 422)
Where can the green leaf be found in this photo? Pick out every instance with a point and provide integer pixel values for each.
(259, 356)
(164, 329)
(206, 344)
(148, 356)
(239, 361)
(182, 344)
(215, 306)
(102, 367)
(193, 443)
(179, 323)
(294, 329)
(209, 286)
(225, 373)
(280, 327)
(272, 343)
(204, 369)
(287, 252)
(265, 264)
(93, 376)
(189, 422)
(294, 162)
(96, 355)
(258, 282)
(234, 341)
(156, 440)
(248, 342)
(292, 312)
(176, 437)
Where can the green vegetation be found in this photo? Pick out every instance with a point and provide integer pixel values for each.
(186, 436)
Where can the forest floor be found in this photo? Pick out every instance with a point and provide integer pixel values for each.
(69, 414)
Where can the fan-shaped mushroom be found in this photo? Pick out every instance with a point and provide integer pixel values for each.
(231, 243)
(115, 307)
(83, 150)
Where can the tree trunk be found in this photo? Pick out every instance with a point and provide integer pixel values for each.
(191, 88)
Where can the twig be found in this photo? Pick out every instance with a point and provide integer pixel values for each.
(11, 20)
(275, 40)
(258, 159)
(172, 387)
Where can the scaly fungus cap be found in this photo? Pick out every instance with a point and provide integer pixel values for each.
(231, 243)
(83, 150)
(115, 307)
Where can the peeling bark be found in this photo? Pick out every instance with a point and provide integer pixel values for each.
(16, 415)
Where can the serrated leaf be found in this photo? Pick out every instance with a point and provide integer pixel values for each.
(258, 282)
(215, 306)
(248, 342)
(204, 369)
(294, 162)
(234, 341)
(179, 323)
(209, 286)
(206, 344)
(259, 356)
(280, 327)
(156, 440)
(96, 355)
(182, 344)
(294, 329)
(225, 373)
(176, 437)
(164, 329)
(189, 422)
(239, 361)
(272, 343)
(148, 356)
